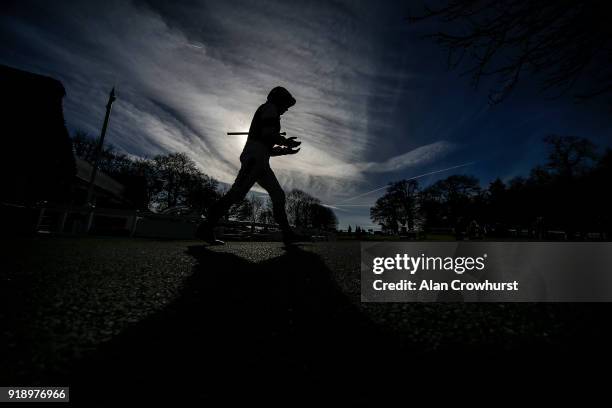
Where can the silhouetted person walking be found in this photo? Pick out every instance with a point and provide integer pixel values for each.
(263, 142)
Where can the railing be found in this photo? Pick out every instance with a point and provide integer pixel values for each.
(47, 218)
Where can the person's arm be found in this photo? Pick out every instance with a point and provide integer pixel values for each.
(289, 142)
(283, 151)
(270, 125)
(270, 128)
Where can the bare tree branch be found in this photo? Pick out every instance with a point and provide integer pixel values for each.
(560, 41)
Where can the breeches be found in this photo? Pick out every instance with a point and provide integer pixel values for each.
(255, 168)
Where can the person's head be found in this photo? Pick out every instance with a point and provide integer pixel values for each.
(281, 97)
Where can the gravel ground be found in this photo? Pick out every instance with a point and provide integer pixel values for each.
(64, 297)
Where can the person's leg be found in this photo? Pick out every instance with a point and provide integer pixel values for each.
(247, 176)
(250, 171)
(268, 181)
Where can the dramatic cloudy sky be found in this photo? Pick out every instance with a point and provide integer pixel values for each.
(375, 101)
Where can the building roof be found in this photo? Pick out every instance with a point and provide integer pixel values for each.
(103, 181)
(30, 83)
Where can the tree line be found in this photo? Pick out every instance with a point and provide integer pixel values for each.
(569, 194)
(172, 180)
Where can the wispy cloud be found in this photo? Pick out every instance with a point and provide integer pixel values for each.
(187, 73)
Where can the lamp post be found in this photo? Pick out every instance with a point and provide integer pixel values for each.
(94, 171)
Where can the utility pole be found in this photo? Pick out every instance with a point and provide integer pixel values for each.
(94, 172)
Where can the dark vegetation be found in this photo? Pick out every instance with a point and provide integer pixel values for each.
(569, 193)
(172, 180)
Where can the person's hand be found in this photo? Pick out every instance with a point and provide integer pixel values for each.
(283, 151)
(292, 142)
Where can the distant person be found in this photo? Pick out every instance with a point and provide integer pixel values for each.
(263, 142)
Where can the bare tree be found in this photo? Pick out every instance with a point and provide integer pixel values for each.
(178, 181)
(307, 211)
(564, 41)
(251, 209)
(570, 155)
(399, 205)
(324, 218)
(299, 207)
(267, 213)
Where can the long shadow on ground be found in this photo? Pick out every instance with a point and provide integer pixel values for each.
(281, 330)
(240, 330)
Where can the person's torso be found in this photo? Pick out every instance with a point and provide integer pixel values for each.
(265, 116)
